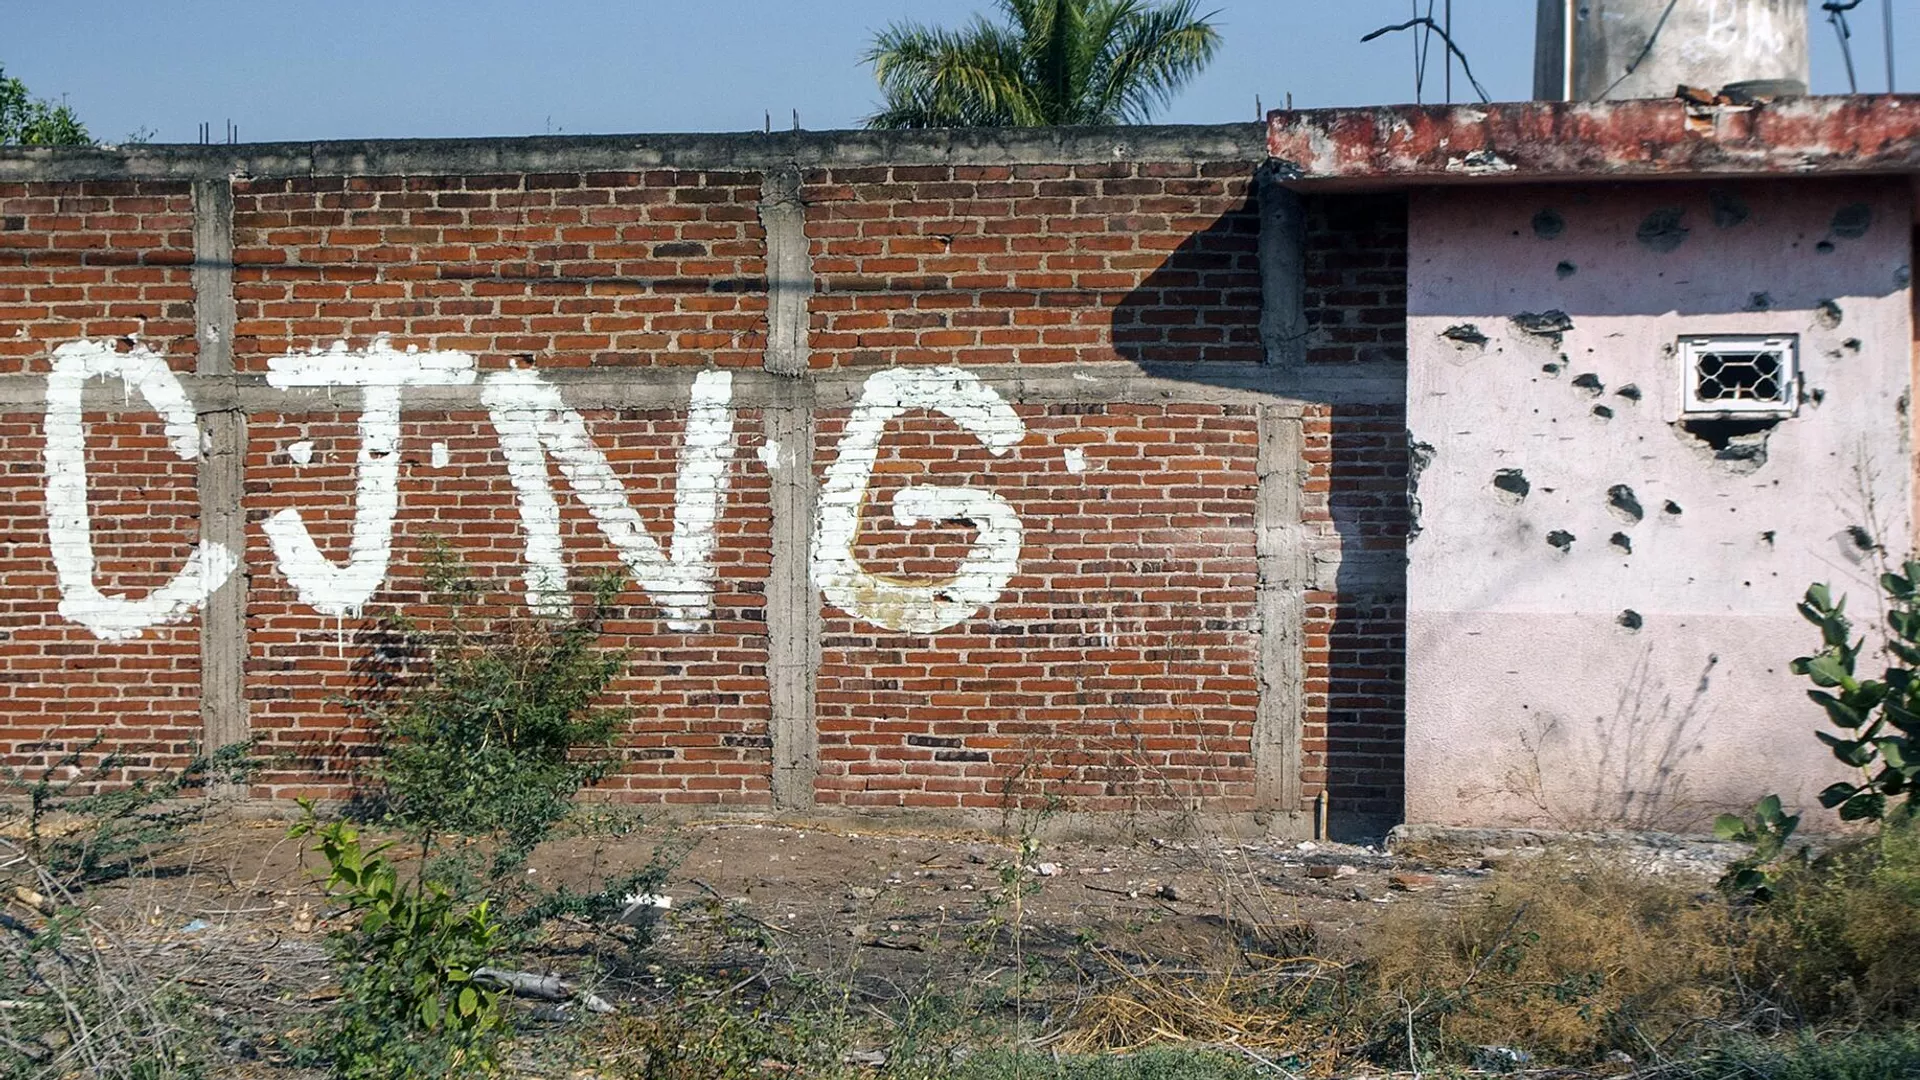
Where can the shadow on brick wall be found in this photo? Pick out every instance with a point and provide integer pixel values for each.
(1196, 318)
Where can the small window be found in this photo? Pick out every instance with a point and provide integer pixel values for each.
(1747, 374)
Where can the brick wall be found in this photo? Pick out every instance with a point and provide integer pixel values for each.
(1356, 278)
(699, 725)
(95, 259)
(62, 688)
(1117, 666)
(566, 269)
(1356, 490)
(1117, 669)
(1034, 264)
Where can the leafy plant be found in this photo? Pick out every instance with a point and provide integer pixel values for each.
(410, 1004)
(501, 728)
(1838, 939)
(1054, 62)
(1769, 831)
(1880, 719)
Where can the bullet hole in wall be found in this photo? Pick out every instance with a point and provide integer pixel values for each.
(1565, 270)
(1852, 221)
(1603, 412)
(1740, 445)
(1548, 224)
(1828, 314)
(1419, 456)
(1551, 369)
(1630, 619)
(1672, 508)
(1767, 537)
(1551, 323)
(1661, 230)
(1727, 208)
(1513, 482)
(1824, 247)
(1861, 538)
(1760, 301)
(1560, 539)
(1622, 542)
(1630, 392)
(1589, 382)
(1465, 334)
(1621, 500)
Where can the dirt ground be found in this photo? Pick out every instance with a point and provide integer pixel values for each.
(237, 918)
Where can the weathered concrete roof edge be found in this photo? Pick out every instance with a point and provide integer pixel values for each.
(626, 153)
(1403, 145)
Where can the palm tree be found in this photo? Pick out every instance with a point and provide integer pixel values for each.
(1057, 62)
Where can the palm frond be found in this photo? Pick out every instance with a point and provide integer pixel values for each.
(949, 78)
(1052, 62)
(1155, 52)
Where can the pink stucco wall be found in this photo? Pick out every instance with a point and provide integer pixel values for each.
(1636, 674)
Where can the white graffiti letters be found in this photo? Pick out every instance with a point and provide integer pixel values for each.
(69, 530)
(533, 422)
(918, 606)
(380, 374)
(536, 431)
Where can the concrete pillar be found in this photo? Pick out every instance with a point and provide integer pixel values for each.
(1280, 604)
(793, 604)
(223, 619)
(1624, 49)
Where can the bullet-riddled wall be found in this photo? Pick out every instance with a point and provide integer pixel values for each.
(1601, 591)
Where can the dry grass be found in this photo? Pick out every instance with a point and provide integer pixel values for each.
(1566, 958)
(1290, 1008)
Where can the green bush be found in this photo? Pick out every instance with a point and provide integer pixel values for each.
(488, 727)
(500, 728)
(1879, 718)
(1838, 940)
(410, 1006)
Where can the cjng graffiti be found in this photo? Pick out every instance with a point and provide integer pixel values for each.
(534, 427)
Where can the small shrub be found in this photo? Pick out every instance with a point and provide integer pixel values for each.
(88, 828)
(1754, 875)
(410, 1005)
(1564, 960)
(488, 728)
(1838, 941)
(501, 728)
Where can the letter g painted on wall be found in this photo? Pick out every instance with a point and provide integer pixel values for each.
(921, 607)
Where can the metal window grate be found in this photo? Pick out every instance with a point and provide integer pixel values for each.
(1741, 374)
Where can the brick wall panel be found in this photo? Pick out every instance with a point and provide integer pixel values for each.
(698, 700)
(1116, 671)
(641, 269)
(1033, 264)
(61, 687)
(95, 259)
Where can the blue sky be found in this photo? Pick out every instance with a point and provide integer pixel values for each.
(410, 68)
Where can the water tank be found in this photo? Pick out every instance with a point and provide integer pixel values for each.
(1647, 48)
